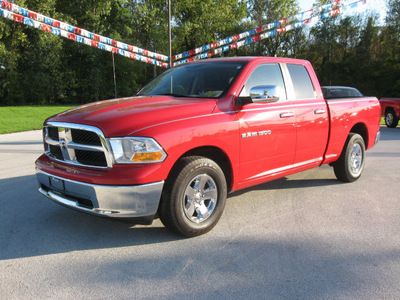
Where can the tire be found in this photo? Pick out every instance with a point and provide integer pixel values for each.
(194, 196)
(391, 119)
(350, 165)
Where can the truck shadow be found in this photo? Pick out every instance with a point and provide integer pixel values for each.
(286, 183)
(44, 227)
(32, 225)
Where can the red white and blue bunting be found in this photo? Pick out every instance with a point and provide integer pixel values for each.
(18, 14)
(245, 38)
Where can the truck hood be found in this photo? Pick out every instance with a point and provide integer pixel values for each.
(125, 116)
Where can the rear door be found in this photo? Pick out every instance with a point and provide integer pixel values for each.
(312, 119)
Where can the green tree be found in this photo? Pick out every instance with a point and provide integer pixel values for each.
(393, 18)
(42, 68)
(200, 22)
(148, 24)
(37, 67)
(389, 79)
(30, 59)
(263, 12)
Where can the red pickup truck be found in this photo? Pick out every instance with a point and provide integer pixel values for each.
(197, 132)
(390, 108)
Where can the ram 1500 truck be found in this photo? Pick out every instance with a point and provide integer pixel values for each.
(391, 111)
(197, 132)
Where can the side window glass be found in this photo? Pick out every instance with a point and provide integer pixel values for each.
(303, 87)
(265, 74)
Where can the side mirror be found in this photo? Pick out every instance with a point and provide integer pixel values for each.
(261, 93)
(265, 93)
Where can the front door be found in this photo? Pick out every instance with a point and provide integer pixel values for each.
(267, 129)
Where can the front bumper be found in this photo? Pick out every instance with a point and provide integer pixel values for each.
(377, 137)
(136, 202)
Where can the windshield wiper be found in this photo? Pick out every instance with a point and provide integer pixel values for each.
(164, 94)
(172, 94)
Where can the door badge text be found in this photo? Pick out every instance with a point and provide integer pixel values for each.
(257, 133)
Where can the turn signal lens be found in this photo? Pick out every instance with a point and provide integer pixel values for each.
(140, 157)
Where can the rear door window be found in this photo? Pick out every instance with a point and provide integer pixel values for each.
(302, 83)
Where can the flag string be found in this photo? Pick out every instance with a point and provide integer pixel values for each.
(19, 14)
(257, 34)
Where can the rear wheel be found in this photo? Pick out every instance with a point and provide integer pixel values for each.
(391, 120)
(194, 196)
(349, 166)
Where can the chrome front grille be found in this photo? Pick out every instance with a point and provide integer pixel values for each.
(85, 137)
(77, 144)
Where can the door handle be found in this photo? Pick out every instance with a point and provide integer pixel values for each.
(286, 115)
(319, 111)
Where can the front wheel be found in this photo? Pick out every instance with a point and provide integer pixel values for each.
(391, 120)
(349, 166)
(194, 196)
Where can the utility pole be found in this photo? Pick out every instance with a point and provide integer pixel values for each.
(115, 77)
(169, 35)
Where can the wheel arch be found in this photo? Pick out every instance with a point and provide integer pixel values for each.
(392, 121)
(214, 153)
(389, 108)
(361, 129)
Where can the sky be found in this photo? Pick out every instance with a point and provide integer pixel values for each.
(377, 5)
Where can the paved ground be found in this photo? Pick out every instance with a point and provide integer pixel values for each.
(306, 236)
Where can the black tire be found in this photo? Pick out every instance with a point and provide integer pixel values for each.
(391, 119)
(194, 196)
(350, 165)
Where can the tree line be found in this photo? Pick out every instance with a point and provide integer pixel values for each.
(39, 68)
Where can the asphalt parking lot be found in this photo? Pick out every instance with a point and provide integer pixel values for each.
(306, 236)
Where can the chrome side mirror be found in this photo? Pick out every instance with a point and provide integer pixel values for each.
(260, 93)
(265, 93)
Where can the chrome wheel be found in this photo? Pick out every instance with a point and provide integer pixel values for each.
(356, 159)
(200, 198)
(389, 119)
(350, 165)
(194, 196)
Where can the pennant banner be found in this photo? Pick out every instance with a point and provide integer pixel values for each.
(18, 14)
(300, 20)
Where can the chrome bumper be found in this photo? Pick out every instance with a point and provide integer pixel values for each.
(377, 137)
(138, 201)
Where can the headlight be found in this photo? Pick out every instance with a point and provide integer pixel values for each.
(136, 150)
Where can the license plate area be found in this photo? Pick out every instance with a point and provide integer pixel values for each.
(57, 184)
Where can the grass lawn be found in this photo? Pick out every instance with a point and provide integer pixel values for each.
(24, 118)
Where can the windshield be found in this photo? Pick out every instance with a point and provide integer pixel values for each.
(202, 80)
